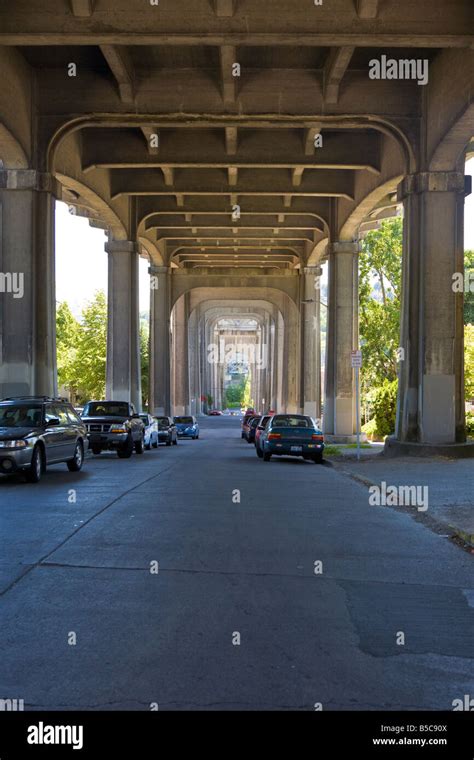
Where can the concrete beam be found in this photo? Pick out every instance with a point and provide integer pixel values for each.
(297, 176)
(233, 175)
(328, 183)
(367, 8)
(150, 134)
(336, 65)
(168, 174)
(309, 138)
(219, 206)
(229, 82)
(224, 8)
(82, 8)
(121, 67)
(231, 140)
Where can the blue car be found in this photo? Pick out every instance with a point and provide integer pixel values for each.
(292, 435)
(187, 427)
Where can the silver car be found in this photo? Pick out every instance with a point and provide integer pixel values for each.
(36, 431)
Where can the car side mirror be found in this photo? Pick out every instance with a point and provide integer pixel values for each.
(53, 422)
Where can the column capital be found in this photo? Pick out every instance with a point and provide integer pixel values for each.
(314, 270)
(121, 246)
(153, 269)
(29, 179)
(345, 246)
(433, 182)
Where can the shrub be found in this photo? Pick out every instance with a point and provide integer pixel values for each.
(385, 409)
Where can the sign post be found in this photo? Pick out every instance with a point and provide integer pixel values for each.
(356, 362)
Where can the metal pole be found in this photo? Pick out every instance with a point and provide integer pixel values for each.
(357, 412)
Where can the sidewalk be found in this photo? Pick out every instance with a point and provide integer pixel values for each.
(450, 485)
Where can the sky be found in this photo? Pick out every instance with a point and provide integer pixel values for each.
(81, 261)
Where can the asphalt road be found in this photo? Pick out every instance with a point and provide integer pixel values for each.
(227, 570)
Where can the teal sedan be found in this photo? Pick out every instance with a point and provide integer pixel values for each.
(293, 435)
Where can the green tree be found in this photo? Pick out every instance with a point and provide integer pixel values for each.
(380, 265)
(469, 361)
(144, 361)
(469, 296)
(92, 348)
(67, 331)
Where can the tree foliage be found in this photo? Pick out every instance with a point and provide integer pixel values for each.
(380, 266)
(469, 296)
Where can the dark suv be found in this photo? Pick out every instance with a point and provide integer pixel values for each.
(36, 431)
(114, 426)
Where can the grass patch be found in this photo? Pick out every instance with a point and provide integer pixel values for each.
(332, 451)
(354, 446)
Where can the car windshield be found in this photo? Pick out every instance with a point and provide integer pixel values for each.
(163, 422)
(105, 409)
(289, 420)
(254, 422)
(183, 420)
(20, 415)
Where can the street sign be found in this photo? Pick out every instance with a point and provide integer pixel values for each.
(356, 359)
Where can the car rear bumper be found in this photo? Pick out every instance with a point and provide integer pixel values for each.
(294, 449)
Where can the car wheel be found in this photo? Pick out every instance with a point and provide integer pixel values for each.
(259, 452)
(175, 442)
(155, 444)
(318, 459)
(96, 450)
(140, 446)
(148, 446)
(168, 442)
(75, 464)
(35, 470)
(266, 457)
(126, 451)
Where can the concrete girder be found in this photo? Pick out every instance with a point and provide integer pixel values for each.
(121, 66)
(328, 183)
(104, 210)
(258, 148)
(335, 24)
(12, 154)
(336, 65)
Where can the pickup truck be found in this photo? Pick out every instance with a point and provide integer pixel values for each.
(113, 426)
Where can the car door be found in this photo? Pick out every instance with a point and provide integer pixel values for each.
(53, 435)
(70, 430)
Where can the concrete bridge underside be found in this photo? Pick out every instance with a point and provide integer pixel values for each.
(237, 148)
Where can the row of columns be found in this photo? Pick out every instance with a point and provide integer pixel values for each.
(431, 399)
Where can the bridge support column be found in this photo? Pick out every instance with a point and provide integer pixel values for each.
(123, 377)
(181, 358)
(159, 394)
(430, 413)
(342, 338)
(311, 344)
(27, 293)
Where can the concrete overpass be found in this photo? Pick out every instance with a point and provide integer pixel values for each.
(237, 147)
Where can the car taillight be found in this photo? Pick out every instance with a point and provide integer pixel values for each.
(273, 436)
(315, 437)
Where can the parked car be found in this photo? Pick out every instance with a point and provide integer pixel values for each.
(150, 433)
(247, 417)
(252, 427)
(36, 431)
(167, 432)
(215, 413)
(187, 427)
(292, 435)
(262, 422)
(114, 426)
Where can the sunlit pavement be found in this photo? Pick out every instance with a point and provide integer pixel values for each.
(228, 571)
